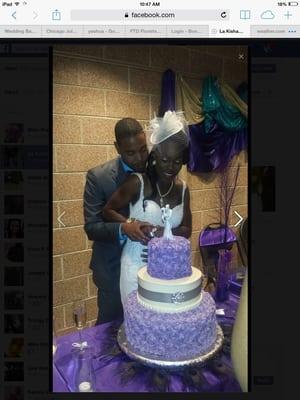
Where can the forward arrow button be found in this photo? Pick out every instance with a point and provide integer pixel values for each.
(240, 219)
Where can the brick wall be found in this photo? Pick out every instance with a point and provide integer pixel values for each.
(95, 86)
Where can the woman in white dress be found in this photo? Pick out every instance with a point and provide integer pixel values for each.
(147, 193)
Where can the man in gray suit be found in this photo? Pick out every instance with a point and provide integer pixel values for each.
(109, 238)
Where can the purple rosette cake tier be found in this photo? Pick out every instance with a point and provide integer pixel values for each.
(171, 336)
(169, 259)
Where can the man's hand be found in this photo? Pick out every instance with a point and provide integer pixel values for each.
(147, 230)
(154, 231)
(135, 231)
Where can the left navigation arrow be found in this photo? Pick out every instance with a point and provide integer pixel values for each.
(14, 15)
(59, 219)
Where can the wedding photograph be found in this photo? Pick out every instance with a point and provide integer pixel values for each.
(150, 218)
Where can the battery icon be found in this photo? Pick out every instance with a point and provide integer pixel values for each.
(292, 3)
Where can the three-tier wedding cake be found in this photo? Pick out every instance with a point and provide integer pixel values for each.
(169, 316)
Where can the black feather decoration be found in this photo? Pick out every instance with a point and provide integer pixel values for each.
(115, 351)
(226, 345)
(113, 328)
(159, 380)
(109, 344)
(227, 331)
(106, 359)
(227, 348)
(221, 370)
(130, 370)
(193, 379)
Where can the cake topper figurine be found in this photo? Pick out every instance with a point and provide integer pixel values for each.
(166, 219)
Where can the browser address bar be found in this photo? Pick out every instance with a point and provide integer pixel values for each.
(175, 15)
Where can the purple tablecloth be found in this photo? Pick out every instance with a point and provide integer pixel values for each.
(107, 375)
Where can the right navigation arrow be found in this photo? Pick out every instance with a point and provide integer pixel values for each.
(240, 219)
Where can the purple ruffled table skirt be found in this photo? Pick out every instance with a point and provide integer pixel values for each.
(107, 375)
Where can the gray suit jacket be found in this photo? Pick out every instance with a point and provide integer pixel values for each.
(101, 182)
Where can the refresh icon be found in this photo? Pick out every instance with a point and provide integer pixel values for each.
(223, 14)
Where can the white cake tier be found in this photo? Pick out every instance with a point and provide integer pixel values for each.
(174, 295)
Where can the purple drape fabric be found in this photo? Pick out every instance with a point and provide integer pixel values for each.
(107, 374)
(213, 151)
(208, 151)
(168, 92)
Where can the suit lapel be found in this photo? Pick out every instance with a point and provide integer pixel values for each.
(118, 173)
(119, 176)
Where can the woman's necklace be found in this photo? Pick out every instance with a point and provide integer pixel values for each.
(161, 196)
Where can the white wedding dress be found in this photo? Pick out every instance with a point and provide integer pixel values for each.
(131, 260)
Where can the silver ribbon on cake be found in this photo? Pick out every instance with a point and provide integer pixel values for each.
(175, 298)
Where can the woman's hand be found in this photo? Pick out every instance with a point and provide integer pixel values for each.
(151, 231)
(144, 256)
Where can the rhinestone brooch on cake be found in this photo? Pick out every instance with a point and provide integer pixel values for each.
(177, 297)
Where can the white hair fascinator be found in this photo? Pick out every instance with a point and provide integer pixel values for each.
(163, 128)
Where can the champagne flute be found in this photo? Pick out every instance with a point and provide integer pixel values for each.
(80, 316)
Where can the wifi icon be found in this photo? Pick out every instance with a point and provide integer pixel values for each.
(17, 3)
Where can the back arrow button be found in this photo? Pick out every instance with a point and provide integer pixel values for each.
(14, 15)
(59, 219)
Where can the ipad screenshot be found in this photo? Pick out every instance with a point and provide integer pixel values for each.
(147, 166)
